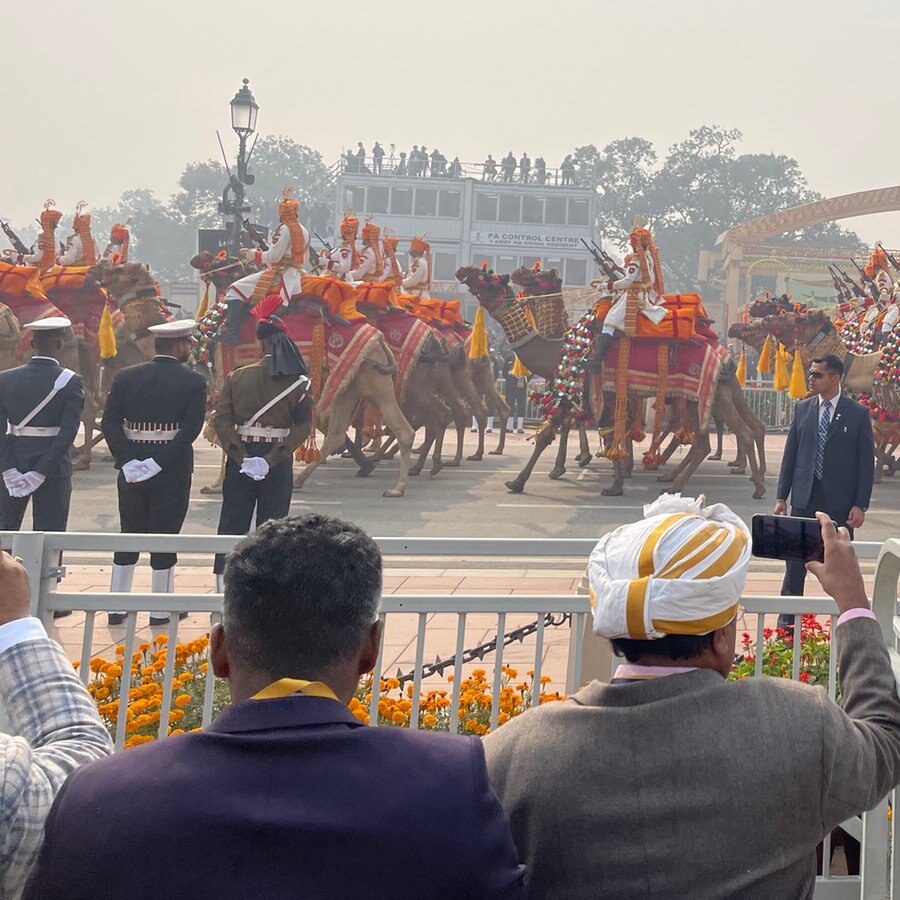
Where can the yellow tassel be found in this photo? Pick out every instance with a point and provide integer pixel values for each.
(782, 380)
(798, 381)
(478, 346)
(107, 335)
(204, 304)
(741, 373)
(765, 356)
(519, 371)
(529, 315)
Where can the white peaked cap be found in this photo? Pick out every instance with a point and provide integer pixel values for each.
(50, 323)
(680, 570)
(180, 328)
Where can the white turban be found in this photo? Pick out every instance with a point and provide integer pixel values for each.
(679, 571)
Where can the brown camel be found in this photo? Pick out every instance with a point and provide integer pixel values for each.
(10, 336)
(541, 356)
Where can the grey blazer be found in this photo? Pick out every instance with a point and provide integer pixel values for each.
(688, 786)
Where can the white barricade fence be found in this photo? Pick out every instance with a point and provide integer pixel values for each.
(40, 553)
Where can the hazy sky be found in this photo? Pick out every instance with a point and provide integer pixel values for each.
(107, 96)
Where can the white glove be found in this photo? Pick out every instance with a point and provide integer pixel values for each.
(255, 467)
(12, 478)
(151, 469)
(133, 470)
(31, 481)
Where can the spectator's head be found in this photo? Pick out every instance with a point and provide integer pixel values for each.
(301, 601)
(665, 590)
(825, 375)
(48, 335)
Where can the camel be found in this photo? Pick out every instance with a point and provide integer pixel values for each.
(543, 295)
(541, 355)
(10, 337)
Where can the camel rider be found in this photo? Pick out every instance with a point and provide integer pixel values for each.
(43, 253)
(418, 279)
(283, 263)
(80, 246)
(345, 256)
(116, 252)
(371, 262)
(641, 286)
(391, 266)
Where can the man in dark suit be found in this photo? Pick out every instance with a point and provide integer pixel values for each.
(40, 412)
(287, 793)
(153, 415)
(828, 461)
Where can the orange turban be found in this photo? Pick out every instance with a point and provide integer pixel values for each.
(370, 233)
(390, 245)
(349, 228)
(419, 245)
(82, 227)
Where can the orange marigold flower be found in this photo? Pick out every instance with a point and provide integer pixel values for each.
(398, 718)
(182, 700)
(429, 721)
(161, 639)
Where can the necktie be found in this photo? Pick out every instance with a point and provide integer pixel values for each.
(824, 422)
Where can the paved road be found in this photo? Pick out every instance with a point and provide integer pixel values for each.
(472, 500)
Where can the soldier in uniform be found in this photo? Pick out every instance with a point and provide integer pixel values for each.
(263, 416)
(40, 412)
(154, 412)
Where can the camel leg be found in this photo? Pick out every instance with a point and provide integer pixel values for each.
(339, 420)
(542, 441)
(500, 409)
(674, 444)
(422, 451)
(559, 467)
(460, 417)
(584, 455)
(366, 464)
(699, 452)
(757, 427)
(616, 489)
(439, 431)
(628, 462)
(745, 438)
(89, 420)
(720, 427)
(216, 486)
(393, 418)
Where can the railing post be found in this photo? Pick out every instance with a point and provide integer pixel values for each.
(29, 547)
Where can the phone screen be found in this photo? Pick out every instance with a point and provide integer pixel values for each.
(787, 537)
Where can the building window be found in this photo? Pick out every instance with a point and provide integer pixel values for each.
(553, 262)
(377, 200)
(576, 271)
(426, 202)
(533, 210)
(444, 266)
(506, 265)
(578, 212)
(401, 201)
(354, 197)
(510, 205)
(403, 260)
(555, 211)
(450, 204)
(486, 207)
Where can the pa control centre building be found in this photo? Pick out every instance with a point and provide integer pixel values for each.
(468, 221)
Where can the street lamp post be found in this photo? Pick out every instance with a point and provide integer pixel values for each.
(244, 110)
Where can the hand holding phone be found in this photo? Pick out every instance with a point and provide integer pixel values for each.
(787, 537)
(839, 574)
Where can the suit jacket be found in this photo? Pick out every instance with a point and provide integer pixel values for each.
(849, 462)
(283, 798)
(691, 786)
(245, 392)
(58, 730)
(159, 391)
(21, 390)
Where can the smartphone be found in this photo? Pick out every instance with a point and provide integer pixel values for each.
(787, 537)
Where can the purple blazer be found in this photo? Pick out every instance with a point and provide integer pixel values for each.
(291, 797)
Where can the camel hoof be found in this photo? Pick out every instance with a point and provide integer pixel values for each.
(475, 457)
(557, 472)
(82, 464)
(614, 491)
(211, 489)
(414, 470)
(741, 471)
(668, 478)
(436, 467)
(365, 469)
(628, 474)
(759, 493)
(453, 464)
(715, 456)
(394, 492)
(495, 453)
(583, 460)
(733, 462)
(515, 487)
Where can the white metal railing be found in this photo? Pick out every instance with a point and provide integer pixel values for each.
(40, 553)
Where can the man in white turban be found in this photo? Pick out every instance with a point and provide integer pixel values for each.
(670, 781)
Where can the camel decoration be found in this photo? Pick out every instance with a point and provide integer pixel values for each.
(10, 337)
(665, 376)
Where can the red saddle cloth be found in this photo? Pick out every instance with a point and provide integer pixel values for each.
(406, 336)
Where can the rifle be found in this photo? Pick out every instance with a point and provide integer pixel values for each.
(600, 260)
(867, 281)
(857, 290)
(324, 243)
(617, 269)
(255, 235)
(14, 239)
(842, 292)
(890, 256)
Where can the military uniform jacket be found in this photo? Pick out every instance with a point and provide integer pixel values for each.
(21, 390)
(158, 392)
(246, 391)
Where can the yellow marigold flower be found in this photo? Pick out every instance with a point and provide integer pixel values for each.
(478, 673)
(120, 649)
(398, 718)
(503, 718)
(96, 664)
(450, 677)
(429, 721)
(147, 670)
(114, 671)
(161, 639)
(510, 671)
(546, 679)
(362, 715)
(76, 664)
(174, 731)
(186, 677)
(391, 684)
(530, 673)
(176, 715)
(182, 700)
(145, 647)
(203, 667)
(101, 693)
